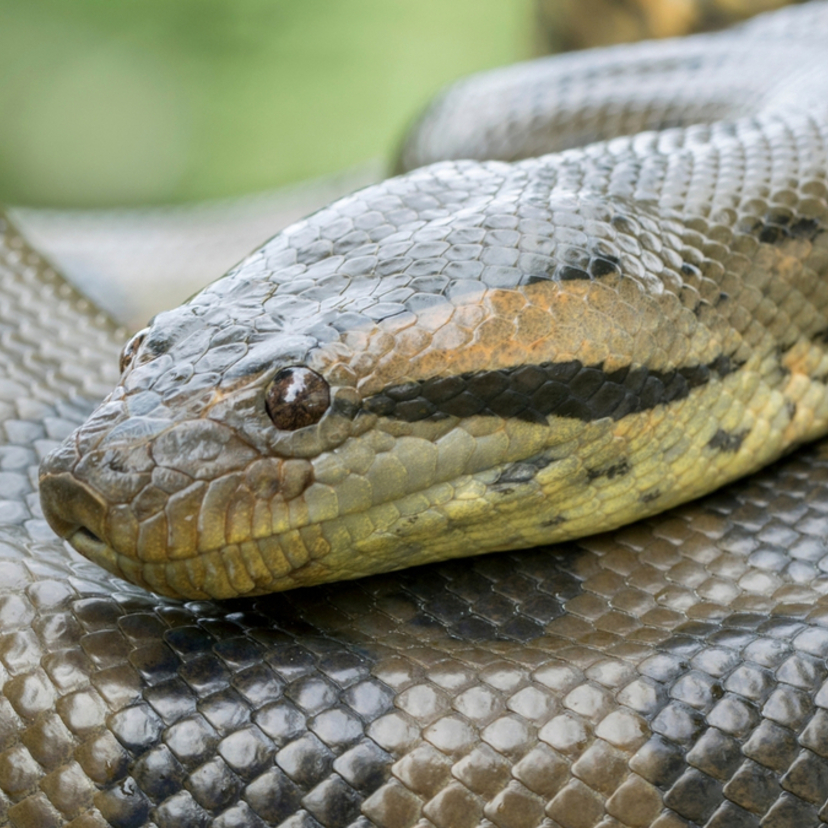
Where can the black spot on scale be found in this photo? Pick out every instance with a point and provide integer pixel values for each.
(724, 365)
(157, 342)
(533, 392)
(805, 228)
(700, 308)
(618, 469)
(728, 441)
(604, 266)
(521, 472)
(578, 264)
(649, 497)
(772, 234)
(570, 274)
(775, 228)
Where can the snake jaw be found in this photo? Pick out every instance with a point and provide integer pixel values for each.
(78, 515)
(94, 549)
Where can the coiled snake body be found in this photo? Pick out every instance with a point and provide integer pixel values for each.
(474, 356)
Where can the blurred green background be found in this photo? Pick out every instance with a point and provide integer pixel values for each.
(120, 102)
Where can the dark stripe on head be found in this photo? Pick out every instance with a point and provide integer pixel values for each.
(533, 392)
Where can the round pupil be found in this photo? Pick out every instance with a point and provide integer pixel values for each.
(297, 398)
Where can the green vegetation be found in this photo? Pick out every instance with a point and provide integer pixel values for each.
(131, 101)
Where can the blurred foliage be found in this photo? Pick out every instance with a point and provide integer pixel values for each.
(128, 101)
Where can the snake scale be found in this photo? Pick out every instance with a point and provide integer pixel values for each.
(532, 319)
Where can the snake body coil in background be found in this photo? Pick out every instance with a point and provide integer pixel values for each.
(672, 673)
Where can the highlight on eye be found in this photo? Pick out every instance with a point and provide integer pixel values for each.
(297, 398)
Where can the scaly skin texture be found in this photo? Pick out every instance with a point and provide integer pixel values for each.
(672, 673)
(512, 354)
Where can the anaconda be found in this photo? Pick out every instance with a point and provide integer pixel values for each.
(666, 674)
(484, 356)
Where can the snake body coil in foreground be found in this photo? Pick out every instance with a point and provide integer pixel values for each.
(625, 325)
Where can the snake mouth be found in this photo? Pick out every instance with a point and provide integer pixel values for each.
(77, 514)
(88, 544)
(86, 541)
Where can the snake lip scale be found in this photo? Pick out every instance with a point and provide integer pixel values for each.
(624, 306)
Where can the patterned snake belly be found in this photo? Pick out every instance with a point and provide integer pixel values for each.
(473, 356)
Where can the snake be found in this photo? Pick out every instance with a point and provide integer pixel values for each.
(621, 310)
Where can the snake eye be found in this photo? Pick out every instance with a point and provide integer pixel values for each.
(297, 398)
(130, 350)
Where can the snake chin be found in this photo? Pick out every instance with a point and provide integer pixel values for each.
(92, 547)
(76, 513)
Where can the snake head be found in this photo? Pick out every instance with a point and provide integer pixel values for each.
(177, 479)
(466, 358)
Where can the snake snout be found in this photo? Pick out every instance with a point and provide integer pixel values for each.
(77, 514)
